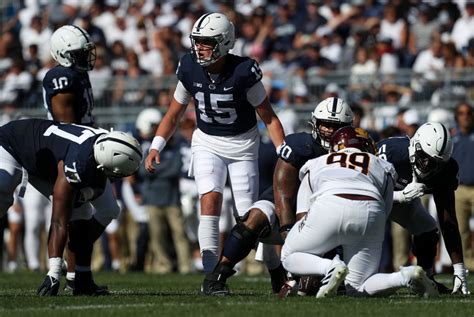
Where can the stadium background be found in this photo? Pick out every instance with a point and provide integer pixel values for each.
(384, 56)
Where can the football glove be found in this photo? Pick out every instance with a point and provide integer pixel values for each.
(49, 287)
(410, 192)
(460, 284)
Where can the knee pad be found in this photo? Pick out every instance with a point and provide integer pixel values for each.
(239, 243)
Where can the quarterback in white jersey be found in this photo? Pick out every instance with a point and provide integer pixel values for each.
(348, 194)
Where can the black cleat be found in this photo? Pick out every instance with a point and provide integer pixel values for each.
(214, 283)
(84, 286)
(442, 289)
(278, 278)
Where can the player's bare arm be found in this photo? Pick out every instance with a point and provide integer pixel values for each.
(166, 129)
(285, 187)
(63, 199)
(273, 124)
(445, 207)
(63, 106)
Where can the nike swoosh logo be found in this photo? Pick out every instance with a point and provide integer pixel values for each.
(228, 88)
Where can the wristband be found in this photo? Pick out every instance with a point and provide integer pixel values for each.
(285, 228)
(158, 143)
(278, 149)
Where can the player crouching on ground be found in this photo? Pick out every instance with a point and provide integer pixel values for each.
(348, 194)
(71, 163)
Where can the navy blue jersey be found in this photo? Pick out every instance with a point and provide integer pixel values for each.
(395, 150)
(300, 148)
(39, 145)
(62, 79)
(297, 150)
(222, 107)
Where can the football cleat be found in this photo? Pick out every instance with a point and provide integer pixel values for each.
(49, 287)
(278, 278)
(287, 289)
(331, 281)
(214, 287)
(69, 287)
(309, 285)
(214, 283)
(442, 289)
(418, 282)
(84, 285)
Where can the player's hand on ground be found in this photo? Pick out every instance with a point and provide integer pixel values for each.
(49, 287)
(152, 157)
(460, 284)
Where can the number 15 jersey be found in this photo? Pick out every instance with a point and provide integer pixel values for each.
(222, 105)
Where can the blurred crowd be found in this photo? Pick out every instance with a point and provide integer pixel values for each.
(394, 52)
(391, 52)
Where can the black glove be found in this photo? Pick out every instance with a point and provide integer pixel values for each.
(49, 287)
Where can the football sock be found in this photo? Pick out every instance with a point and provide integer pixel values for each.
(71, 276)
(55, 266)
(381, 284)
(300, 263)
(270, 257)
(208, 236)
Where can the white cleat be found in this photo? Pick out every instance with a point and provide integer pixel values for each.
(330, 283)
(419, 282)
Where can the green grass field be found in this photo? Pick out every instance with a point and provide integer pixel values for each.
(137, 294)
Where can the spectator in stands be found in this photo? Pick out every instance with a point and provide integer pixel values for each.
(422, 30)
(463, 29)
(429, 63)
(393, 27)
(37, 33)
(101, 77)
(363, 71)
(463, 153)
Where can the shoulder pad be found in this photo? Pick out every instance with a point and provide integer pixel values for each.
(248, 71)
(184, 67)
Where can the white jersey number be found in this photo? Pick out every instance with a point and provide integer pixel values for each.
(219, 114)
(351, 160)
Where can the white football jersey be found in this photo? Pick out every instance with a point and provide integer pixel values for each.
(348, 171)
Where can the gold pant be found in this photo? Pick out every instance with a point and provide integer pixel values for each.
(157, 226)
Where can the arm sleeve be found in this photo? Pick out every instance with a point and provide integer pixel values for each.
(181, 94)
(256, 94)
(388, 195)
(304, 195)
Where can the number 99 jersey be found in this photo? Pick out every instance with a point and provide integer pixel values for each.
(61, 79)
(222, 107)
(349, 171)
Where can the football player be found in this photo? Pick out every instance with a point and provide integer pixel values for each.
(227, 92)
(347, 194)
(71, 163)
(261, 223)
(68, 99)
(424, 165)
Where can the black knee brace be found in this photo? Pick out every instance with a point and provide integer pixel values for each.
(239, 243)
(425, 246)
